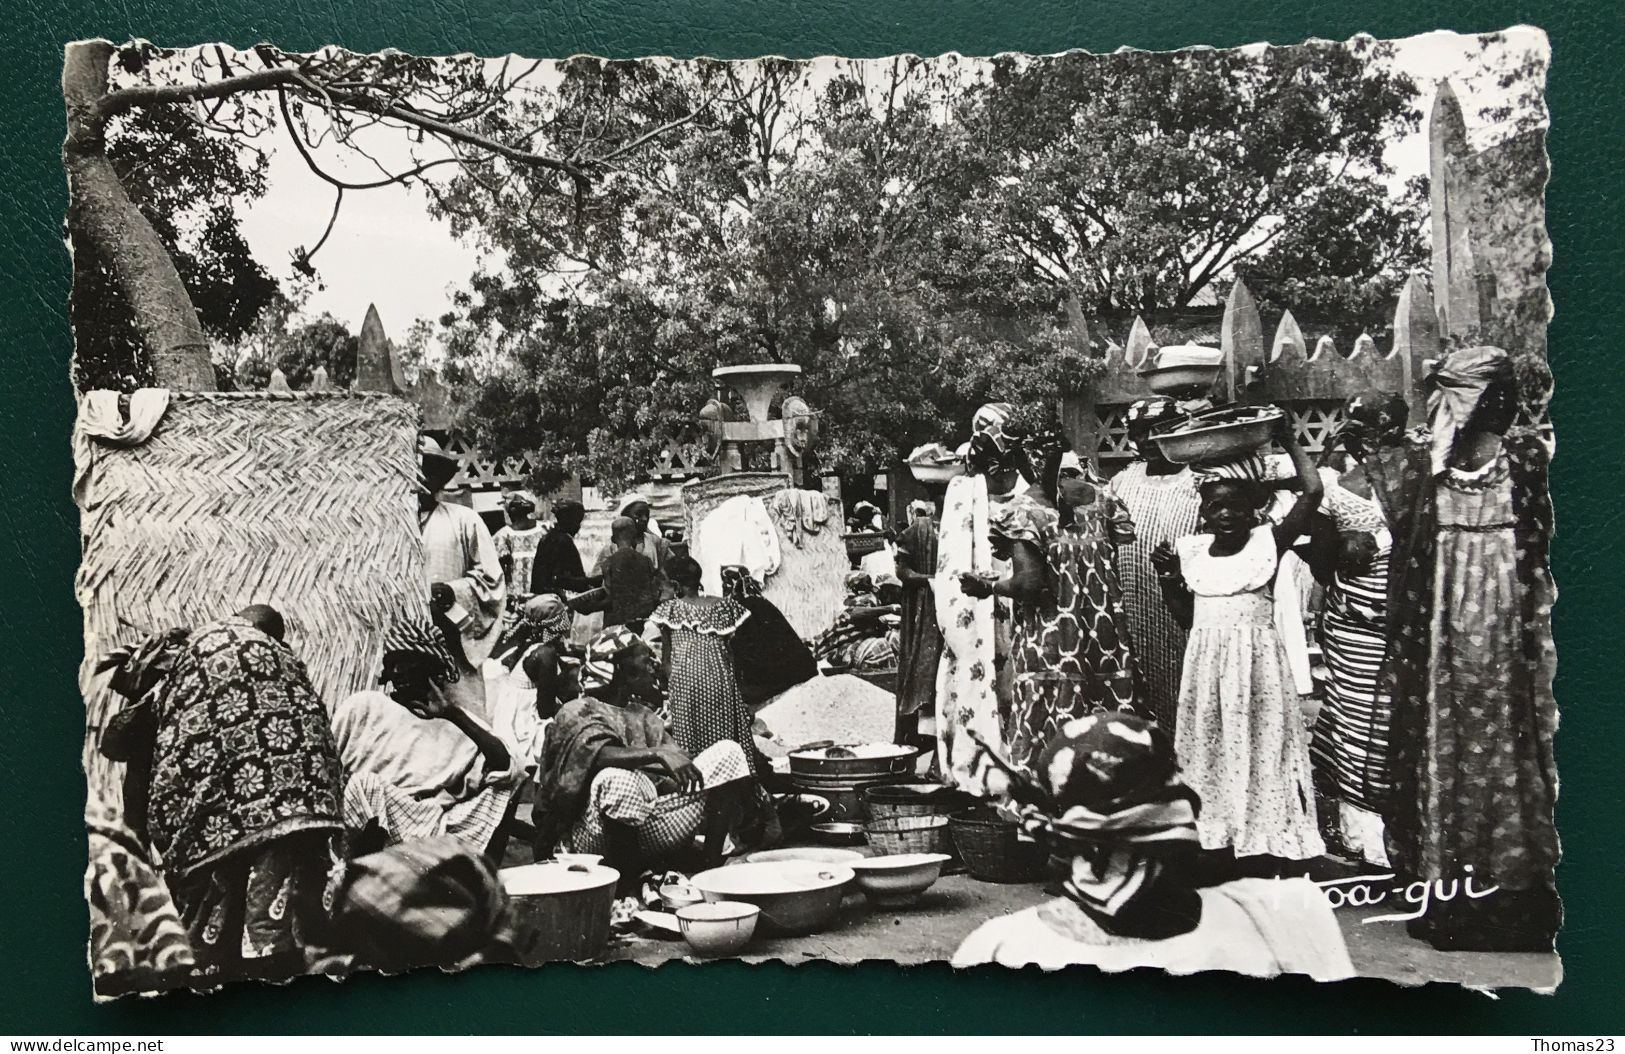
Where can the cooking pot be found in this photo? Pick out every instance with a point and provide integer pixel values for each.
(871, 759)
(562, 911)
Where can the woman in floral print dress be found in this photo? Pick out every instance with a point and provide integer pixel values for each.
(1070, 649)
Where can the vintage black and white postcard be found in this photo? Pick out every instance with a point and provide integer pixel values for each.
(1071, 510)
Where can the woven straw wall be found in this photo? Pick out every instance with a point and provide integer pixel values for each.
(303, 501)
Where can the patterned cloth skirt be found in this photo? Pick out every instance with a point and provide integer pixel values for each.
(260, 911)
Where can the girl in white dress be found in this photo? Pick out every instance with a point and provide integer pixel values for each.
(1240, 735)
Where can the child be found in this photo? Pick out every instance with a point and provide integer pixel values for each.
(516, 546)
(1239, 733)
(703, 693)
(630, 578)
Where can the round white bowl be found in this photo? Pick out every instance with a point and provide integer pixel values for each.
(717, 928)
(898, 881)
(796, 897)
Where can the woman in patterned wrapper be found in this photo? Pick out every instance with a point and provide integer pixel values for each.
(1070, 651)
(243, 801)
(1472, 663)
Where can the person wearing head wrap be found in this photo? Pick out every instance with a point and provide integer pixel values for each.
(614, 781)
(516, 545)
(416, 764)
(1351, 743)
(1070, 652)
(919, 641)
(1471, 660)
(428, 902)
(862, 638)
(648, 540)
(243, 800)
(467, 586)
(770, 658)
(1107, 798)
(1162, 502)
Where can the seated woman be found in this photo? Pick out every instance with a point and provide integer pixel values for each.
(1109, 797)
(535, 672)
(417, 765)
(865, 635)
(613, 781)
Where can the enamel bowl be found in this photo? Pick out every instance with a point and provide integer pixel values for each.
(722, 927)
(898, 881)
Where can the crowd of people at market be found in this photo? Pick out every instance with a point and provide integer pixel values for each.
(1124, 664)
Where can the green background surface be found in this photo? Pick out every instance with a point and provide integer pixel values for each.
(46, 986)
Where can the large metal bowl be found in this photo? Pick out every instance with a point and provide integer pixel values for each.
(880, 759)
(796, 897)
(1218, 435)
(1170, 380)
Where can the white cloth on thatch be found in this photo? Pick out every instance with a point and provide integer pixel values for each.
(458, 550)
(842, 708)
(737, 532)
(99, 419)
(966, 695)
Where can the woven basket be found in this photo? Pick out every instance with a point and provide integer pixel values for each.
(910, 834)
(992, 849)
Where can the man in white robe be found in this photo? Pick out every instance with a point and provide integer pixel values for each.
(467, 587)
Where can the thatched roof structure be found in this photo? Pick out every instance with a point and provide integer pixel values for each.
(305, 501)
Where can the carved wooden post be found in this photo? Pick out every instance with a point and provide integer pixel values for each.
(1241, 337)
(1416, 340)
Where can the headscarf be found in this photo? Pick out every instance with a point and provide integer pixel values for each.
(990, 445)
(138, 668)
(1147, 414)
(1455, 391)
(738, 583)
(417, 637)
(547, 617)
(428, 901)
(920, 505)
(1118, 809)
(519, 499)
(598, 669)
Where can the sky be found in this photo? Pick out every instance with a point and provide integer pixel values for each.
(386, 250)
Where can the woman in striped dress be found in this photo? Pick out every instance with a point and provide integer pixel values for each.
(1352, 746)
(1162, 501)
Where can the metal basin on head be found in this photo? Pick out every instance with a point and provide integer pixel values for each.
(757, 384)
